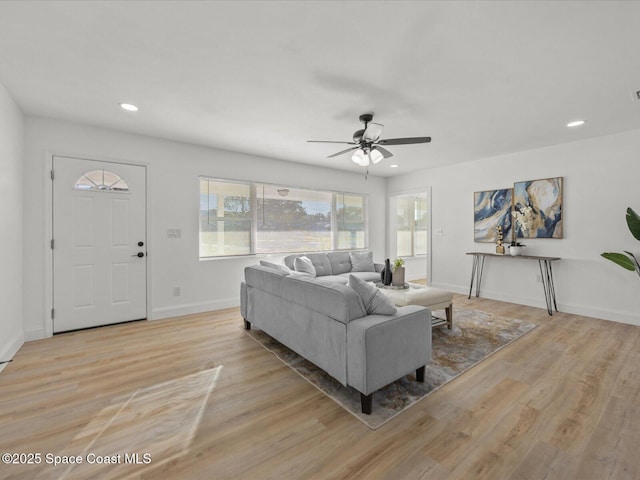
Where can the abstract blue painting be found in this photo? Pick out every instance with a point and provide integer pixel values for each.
(537, 206)
(491, 209)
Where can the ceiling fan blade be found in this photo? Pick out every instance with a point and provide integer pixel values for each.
(372, 133)
(385, 153)
(343, 151)
(331, 141)
(404, 141)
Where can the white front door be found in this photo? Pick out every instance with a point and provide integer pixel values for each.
(99, 243)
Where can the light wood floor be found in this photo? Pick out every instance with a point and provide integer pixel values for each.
(563, 402)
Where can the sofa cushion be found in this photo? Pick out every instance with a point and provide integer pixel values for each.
(366, 276)
(331, 299)
(319, 260)
(339, 279)
(321, 263)
(362, 262)
(375, 303)
(276, 266)
(303, 264)
(340, 262)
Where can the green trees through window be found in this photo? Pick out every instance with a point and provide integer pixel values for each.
(241, 219)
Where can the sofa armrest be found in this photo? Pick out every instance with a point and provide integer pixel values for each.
(384, 348)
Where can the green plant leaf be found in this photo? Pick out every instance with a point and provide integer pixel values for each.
(633, 221)
(634, 260)
(620, 259)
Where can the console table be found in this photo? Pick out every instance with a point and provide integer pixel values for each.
(545, 271)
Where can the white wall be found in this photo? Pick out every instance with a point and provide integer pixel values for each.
(11, 233)
(173, 170)
(601, 178)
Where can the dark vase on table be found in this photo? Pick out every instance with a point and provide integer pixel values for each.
(385, 275)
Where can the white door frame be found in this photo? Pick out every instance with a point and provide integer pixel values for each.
(48, 229)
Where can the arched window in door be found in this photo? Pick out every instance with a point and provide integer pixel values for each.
(102, 180)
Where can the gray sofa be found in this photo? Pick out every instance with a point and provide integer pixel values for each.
(326, 322)
(335, 267)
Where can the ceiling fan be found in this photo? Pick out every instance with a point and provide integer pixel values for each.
(368, 145)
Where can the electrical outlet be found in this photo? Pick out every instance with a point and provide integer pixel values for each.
(177, 291)
(538, 279)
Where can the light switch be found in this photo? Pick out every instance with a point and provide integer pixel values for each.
(174, 233)
(439, 232)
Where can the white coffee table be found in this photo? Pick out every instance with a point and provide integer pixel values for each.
(433, 298)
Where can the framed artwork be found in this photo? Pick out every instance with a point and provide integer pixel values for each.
(491, 209)
(537, 208)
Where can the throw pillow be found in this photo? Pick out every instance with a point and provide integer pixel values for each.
(362, 262)
(276, 266)
(303, 264)
(375, 302)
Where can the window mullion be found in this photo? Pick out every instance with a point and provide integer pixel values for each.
(253, 205)
(334, 221)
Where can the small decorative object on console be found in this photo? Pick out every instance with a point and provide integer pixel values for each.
(385, 275)
(499, 240)
(515, 248)
(398, 273)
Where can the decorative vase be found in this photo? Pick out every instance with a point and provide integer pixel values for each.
(515, 250)
(398, 277)
(385, 275)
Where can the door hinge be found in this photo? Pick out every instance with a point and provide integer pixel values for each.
(51, 174)
(52, 313)
(52, 244)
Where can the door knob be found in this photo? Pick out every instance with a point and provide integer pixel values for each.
(140, 244)
(139, 255)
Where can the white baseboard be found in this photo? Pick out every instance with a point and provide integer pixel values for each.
(187, 309)
(9, 349)
(631, 318)
(38, 334)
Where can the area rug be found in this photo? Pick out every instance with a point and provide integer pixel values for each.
(475, 336)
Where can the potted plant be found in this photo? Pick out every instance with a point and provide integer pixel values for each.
(397, 278)
(627, 259)
(515, 248)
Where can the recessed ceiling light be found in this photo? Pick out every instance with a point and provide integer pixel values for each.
(129, 107)
(577, 123)
(393, 166)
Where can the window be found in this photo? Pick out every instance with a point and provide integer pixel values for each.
(292, 220)
(351, 223)
(243, 219)
(411, 226)
(225, 219)
(102, 180)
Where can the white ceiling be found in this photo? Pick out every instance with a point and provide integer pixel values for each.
(481, 78)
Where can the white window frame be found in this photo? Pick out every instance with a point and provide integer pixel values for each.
(253, 202)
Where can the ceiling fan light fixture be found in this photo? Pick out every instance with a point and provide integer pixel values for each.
(375, 156)
(359, 157)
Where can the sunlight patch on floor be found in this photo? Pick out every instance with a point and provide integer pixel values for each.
(151, 426)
